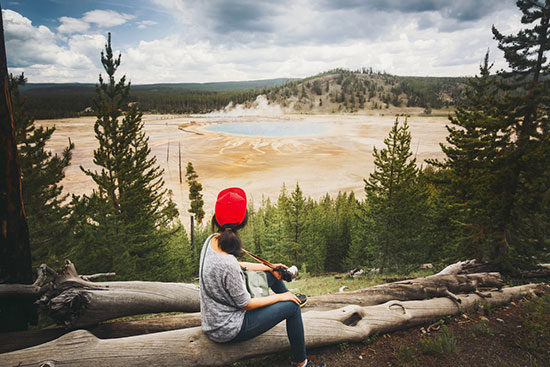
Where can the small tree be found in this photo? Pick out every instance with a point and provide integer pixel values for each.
(41, 174)
(126, 217)
(195, 196)
(396, 204)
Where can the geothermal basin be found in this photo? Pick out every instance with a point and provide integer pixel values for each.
(322, 153)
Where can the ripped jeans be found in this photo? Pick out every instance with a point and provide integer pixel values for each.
(260, 320)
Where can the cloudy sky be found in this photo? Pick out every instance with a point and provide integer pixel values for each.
(224, 40)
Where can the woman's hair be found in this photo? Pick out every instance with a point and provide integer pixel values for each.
(228, 239)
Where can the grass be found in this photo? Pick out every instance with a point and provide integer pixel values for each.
(441, 344)
(482, 329)
(371, 339)
(325, 284)
(536, 323)
(343, 346)
(406, 356)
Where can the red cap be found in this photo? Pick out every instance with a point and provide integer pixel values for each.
(231, 206)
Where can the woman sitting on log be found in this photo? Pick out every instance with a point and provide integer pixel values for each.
(228, 313)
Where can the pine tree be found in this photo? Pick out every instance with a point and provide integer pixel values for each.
(523, 226)
(126, 217)
(477, 144)
(41, 175)
(396, 203)
(498, 153)
(195, 196)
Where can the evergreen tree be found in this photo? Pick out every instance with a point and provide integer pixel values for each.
(195, 196)
(396, 203)
(523, 221)
(498, 155)
(477, 144)
(41, 175)
(125, 220)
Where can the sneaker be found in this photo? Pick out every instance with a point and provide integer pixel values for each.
(303, 299)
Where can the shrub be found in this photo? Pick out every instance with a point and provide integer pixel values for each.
(406, 356)
(482, 329)
(536, 324)
(439, 345)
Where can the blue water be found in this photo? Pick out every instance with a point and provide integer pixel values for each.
(270, 128)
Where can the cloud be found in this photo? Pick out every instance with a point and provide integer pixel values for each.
(72, 25)
(35, 51)
(106, 18)
(100, 18)
(146, 23)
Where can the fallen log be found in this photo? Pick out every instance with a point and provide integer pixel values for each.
(437, 285)
(191, 347)
(74, 302)
(32, 291)
(25, 339)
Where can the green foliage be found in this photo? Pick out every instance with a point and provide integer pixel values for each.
(495, 172)
(41, 175)
(343, 346)
(441, 344)
(371, 339)
(482, 329)
(396, 202)
(195, 196)
(536, 325)
(125, 224)
(406, 356)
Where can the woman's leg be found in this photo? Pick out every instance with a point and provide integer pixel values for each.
(276, 285)
(260, 320)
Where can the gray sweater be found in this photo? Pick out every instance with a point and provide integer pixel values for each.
(221, 304)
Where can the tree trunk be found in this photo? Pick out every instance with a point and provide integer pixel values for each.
(75, 302)
(15, 254)
(24, 339)
(191, 347)
(437, 285)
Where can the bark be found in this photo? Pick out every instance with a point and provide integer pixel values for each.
(438, 285)
(191, 347)
(74, 302)
(15, 254)
(24, 339)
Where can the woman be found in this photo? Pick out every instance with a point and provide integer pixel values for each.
(228, 313)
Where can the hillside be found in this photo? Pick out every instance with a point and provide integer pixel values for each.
(342, 90)
(336, 91)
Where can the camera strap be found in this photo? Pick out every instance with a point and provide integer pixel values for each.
(256, 257)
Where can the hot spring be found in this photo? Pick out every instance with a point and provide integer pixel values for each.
(271, 128)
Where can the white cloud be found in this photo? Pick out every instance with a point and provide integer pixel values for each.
(72, 25)
(106, 18)
(46, 58)
(146, 23)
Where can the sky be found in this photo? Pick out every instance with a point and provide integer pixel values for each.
(181, 41)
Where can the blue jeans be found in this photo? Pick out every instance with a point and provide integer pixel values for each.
(260, 320)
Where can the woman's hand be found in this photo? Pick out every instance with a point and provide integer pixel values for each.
(278, 274)
(289, 296)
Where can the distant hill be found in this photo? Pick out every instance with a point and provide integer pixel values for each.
(335, 91)
(343, 90)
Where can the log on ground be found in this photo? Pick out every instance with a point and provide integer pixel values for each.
(191, 347)
(438, 285)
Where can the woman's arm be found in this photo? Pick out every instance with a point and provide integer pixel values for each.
(262, 267)
(271, 299)
(254, 266)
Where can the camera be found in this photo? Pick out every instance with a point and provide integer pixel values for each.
(288, 274)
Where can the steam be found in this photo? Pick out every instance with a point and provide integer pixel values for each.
(260, 107)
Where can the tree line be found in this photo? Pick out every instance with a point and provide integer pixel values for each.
(488, 199)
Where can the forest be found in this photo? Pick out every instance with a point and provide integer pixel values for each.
(488, 199)
(335, 91)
